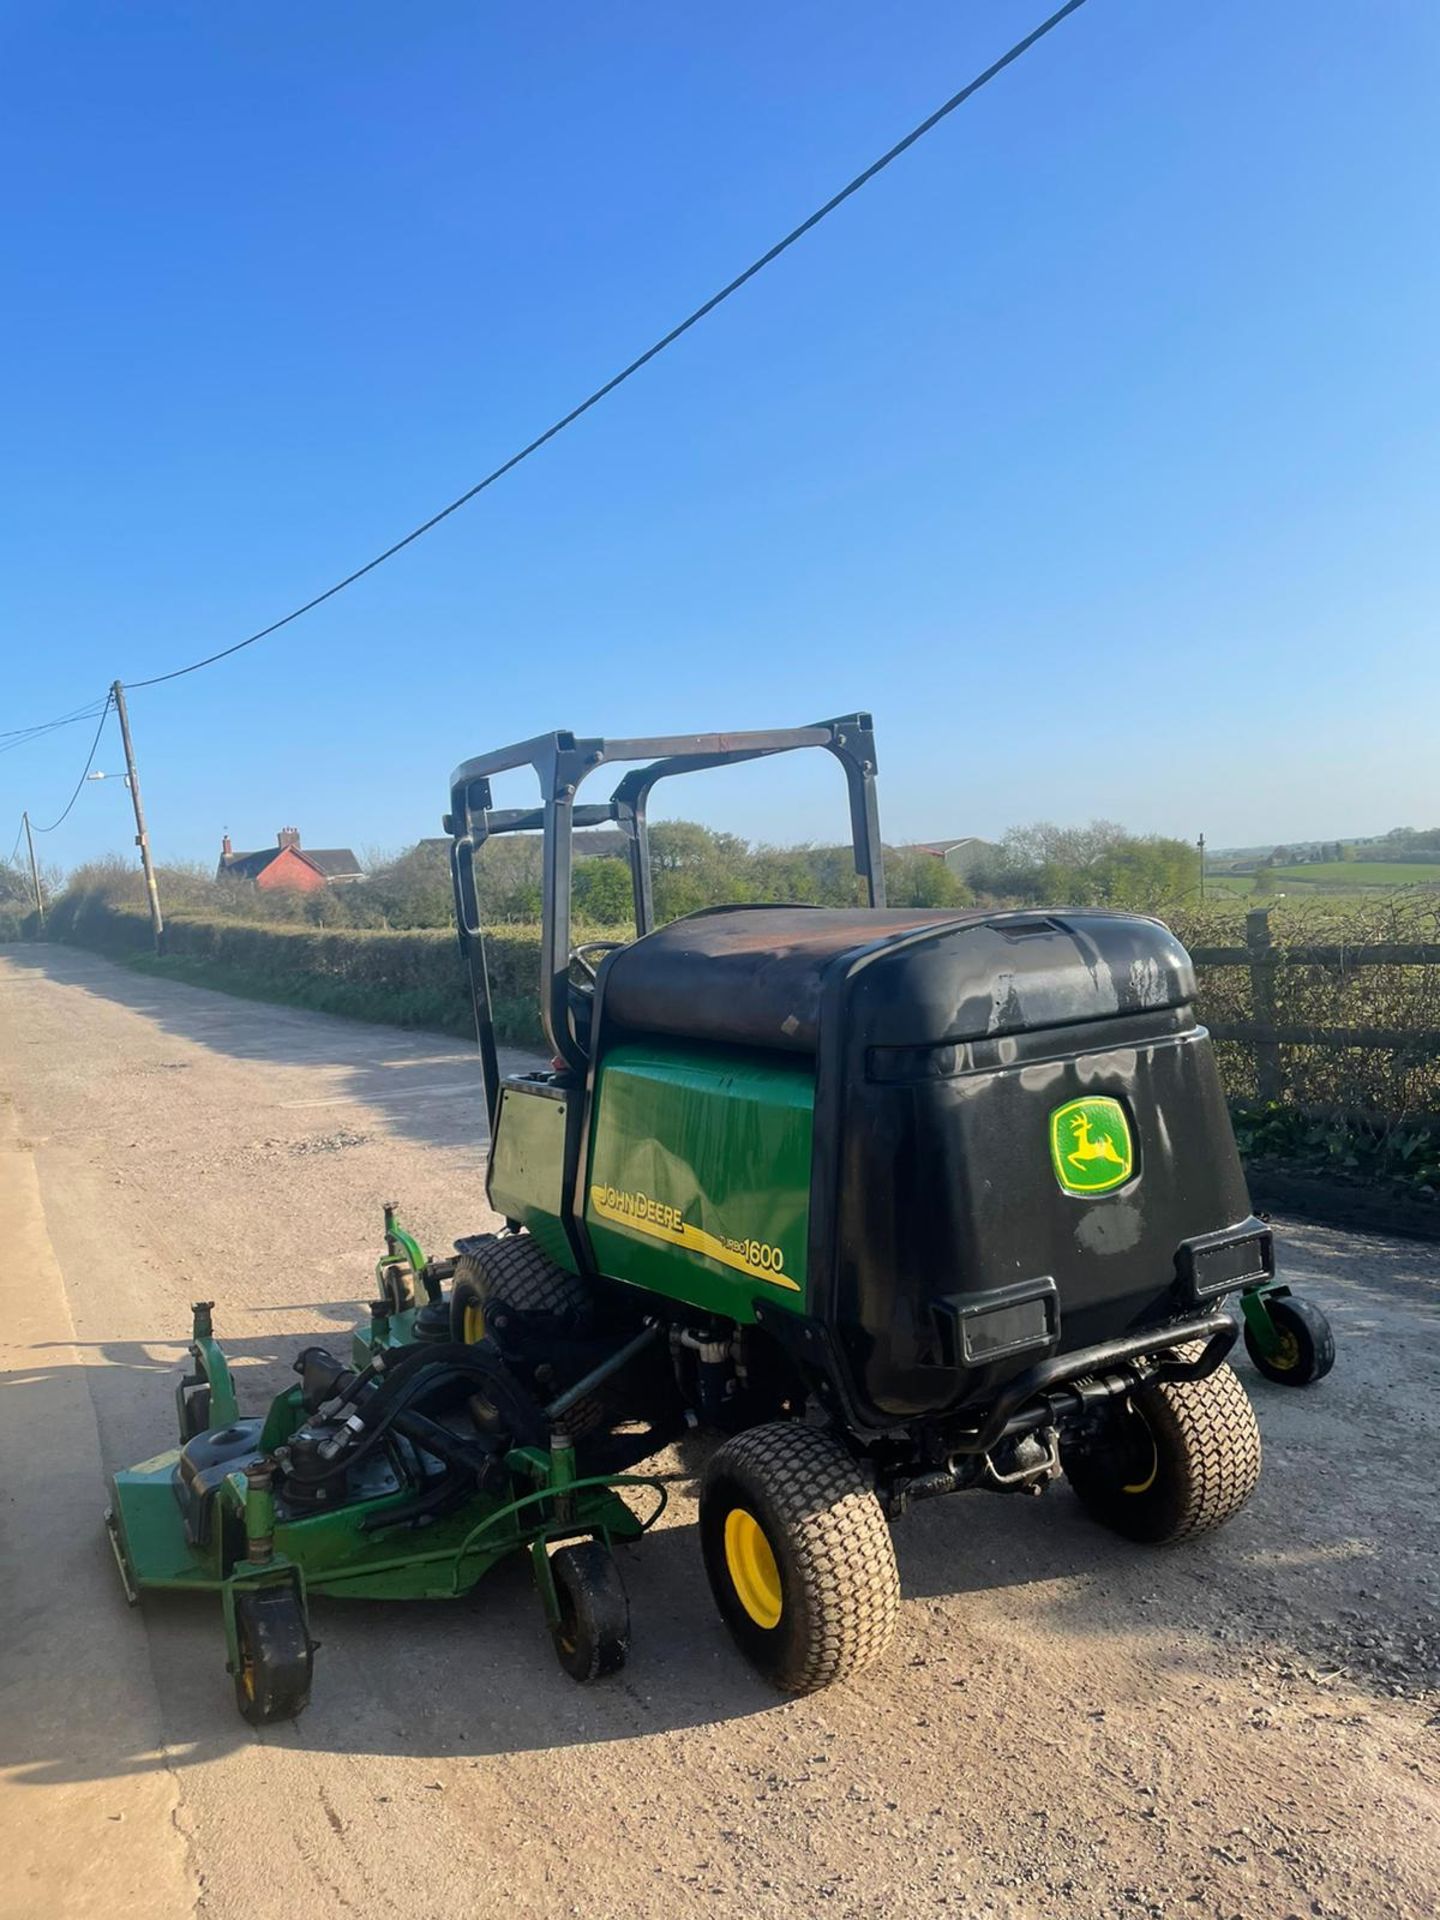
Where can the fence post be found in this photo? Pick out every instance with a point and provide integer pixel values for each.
(1269, 1083)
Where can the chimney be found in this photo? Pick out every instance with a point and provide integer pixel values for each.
(288, 837)
(225, 848)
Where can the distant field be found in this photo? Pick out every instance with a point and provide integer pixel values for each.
(1362, 873)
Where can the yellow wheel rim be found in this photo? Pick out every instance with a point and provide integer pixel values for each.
(750, 1562)
(1287, 1353)
(473, 1324)
(1146, 1481)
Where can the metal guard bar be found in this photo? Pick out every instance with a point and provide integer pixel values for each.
(1217, 1330)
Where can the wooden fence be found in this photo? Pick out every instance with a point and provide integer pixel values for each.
(1280, 972)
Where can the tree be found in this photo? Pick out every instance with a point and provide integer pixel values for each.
(602, 892)
(916, 879)
(1098, 865)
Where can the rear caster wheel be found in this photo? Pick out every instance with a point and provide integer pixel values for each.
(277, 1658)
(592, 1635)
(194, 1413)
(1304, 1350)
(1175, 1458)
(799, 1555)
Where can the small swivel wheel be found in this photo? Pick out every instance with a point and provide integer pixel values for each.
(277, 1657)
(194, 1413)
(1302, 1347)
(592, 1633)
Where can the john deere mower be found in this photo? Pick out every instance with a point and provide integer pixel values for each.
(897, 1203)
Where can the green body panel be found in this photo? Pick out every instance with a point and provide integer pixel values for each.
(698, 1185)
(527, 1167)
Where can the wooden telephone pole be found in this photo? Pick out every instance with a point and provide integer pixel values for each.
(34, 870)
(142, 839)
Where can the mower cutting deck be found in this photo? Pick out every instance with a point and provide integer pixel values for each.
(258, 1511)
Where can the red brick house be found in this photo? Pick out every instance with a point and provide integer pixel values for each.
(288, 864)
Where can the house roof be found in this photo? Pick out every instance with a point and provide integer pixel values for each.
(334, 863)
(248, 865)
(942, 847)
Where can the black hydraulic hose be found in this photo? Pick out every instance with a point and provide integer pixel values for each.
(395, 1402)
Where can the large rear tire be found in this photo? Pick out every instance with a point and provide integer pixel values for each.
(799, 1555)
(1176, 1458)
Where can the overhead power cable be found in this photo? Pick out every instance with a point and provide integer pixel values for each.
(933, 120)
(89, 762)
(22, 736)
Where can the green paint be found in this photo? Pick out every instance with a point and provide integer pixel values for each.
(699, 1175)
(1091, 1149)
(1255, 1306)
(334, 1555)
(527, 1167)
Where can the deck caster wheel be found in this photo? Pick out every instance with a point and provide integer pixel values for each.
(1305, 1347)
(592, 1634)
(276, 1656)
(1172, 1459)
(194, 1414)
(799, 1555)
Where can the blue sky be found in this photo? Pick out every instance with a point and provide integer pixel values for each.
(1093, 447)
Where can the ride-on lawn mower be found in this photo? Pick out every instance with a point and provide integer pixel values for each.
(898, 1202)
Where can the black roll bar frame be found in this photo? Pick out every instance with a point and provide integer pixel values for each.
(561, 762)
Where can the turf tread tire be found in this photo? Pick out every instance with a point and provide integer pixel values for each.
(832, 1544)
(515, 1271)
(514, 1268)
(1208, 1454)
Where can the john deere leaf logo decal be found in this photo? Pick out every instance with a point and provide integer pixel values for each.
(1090, 1145)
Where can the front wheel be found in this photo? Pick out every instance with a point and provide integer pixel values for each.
(592, 1632)
(1304, 1347)
(1173, 1459)
(277, 1656)
(799, 1555)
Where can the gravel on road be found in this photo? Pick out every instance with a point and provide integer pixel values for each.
(1246, 1727)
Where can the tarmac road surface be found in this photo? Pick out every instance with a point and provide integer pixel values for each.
(1067, 1728)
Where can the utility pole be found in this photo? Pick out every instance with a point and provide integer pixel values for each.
(1200, 844)
(142, 839)
(34, 870)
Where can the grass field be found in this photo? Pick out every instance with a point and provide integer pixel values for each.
(1362, 873)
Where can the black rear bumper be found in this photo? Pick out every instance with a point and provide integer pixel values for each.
(1023, 1402)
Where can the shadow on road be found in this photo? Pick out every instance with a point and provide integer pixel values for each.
(423, 1086)
(1267, 1589)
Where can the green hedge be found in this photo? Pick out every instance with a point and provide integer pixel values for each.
(409, 979)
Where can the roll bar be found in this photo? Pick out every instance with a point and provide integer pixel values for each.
(561, 762)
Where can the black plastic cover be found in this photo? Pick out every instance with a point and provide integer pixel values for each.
(755, 976)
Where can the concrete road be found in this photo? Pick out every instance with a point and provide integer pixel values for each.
(1066, 1726)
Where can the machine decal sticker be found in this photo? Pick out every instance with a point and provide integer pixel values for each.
(658, 1221)
(1090, 1145)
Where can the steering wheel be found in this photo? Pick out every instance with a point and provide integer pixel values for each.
(586, 967)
